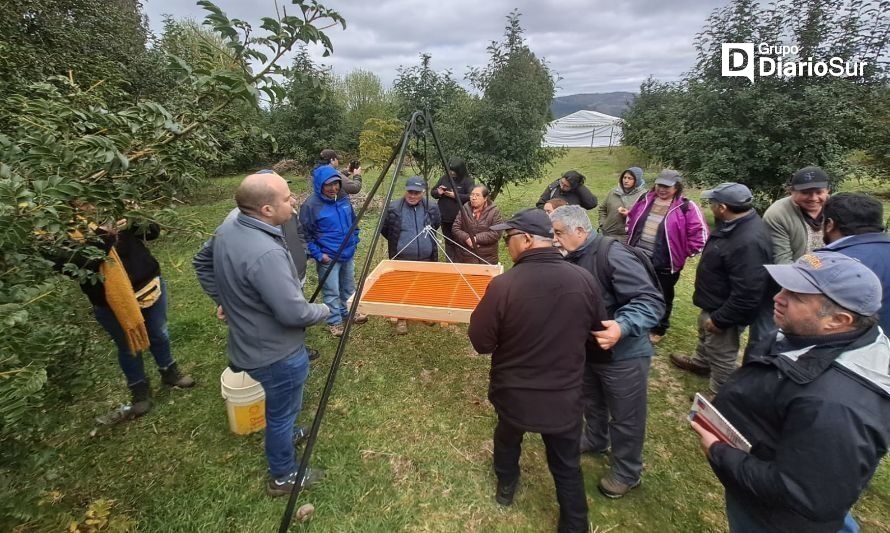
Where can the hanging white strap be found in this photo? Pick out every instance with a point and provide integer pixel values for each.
(461, 274)
(427, 230)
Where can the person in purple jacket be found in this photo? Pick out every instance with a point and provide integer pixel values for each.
(670, 229)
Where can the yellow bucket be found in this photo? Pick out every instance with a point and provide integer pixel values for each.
(245, 402)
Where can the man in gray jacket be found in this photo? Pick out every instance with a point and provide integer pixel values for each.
(248, 272)
(618, 357)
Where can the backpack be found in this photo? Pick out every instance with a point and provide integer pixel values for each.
(605, 269)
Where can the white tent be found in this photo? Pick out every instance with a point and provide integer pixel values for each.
(583, 129)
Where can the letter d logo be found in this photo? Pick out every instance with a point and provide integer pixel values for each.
(737, 59)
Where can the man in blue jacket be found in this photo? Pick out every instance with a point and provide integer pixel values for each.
(326, 217)
(813, 400)
(617, 364)
(853, 224)
(248, 272)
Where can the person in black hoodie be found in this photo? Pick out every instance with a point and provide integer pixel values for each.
(731, 283)
(535, 320)
(570, 187)
(449, 201)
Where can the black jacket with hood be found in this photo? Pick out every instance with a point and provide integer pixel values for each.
(816, 411)
(448, 207)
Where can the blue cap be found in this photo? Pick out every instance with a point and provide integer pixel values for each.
(415, 183)
(843, 279)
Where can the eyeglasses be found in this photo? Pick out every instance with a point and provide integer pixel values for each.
(508, 235)
(475, 195)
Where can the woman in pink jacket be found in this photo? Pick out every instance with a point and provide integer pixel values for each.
(669, 228)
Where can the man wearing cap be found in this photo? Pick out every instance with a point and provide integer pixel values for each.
(351, 179)
(795, 222)
(409, 228)
(326, 217)
(535, 320)
(246, 269)
(730, 283)
(813, 400)
(854, 225)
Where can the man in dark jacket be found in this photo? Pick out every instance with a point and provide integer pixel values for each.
(853, 224)
(449, 201)
(617, 365)
(406, 219)
(409, 228)
(534, 320)
(730, 283)
(570, 187)
(813, 401)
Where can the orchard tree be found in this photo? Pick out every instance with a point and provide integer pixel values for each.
(718, 128)
(509, 120)
(309, 118)
(363, 97)
(421, 88)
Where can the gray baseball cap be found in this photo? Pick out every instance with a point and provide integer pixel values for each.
(668, 178)
(729, 193)
(534, 221)
(843, 279)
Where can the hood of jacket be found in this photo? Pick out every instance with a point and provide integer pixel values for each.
(639, 184)
(320, 175)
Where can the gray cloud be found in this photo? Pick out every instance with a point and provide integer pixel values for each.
(593, 45)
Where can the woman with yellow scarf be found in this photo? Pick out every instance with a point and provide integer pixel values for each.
(131, 305)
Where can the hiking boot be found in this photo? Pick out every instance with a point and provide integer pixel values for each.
(141, 404)
(171, 377)
(285, 485)
(402, 327)
(301, 435)
(505, 492)
(614, 489)
(689, 365)
(336, 330)
(140, 394)
(313, 353)
(359, 318)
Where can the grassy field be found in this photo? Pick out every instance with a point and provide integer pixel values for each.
(407, 438)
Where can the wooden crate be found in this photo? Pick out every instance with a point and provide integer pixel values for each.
(421, 290)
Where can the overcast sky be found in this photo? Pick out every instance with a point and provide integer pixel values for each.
(593, 45)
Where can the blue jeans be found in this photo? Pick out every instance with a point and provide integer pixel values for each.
(159, 340)
(337, 289)
(283, 383)
(742, 522)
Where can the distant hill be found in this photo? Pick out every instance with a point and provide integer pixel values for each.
(614, 104)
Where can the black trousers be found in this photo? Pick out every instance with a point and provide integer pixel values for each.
(564, 462)
(450, 247)
(668, 282)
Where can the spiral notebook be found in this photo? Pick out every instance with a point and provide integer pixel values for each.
(705, 415)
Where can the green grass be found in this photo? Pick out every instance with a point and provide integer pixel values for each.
(407, 438)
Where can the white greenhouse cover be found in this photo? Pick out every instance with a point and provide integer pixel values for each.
(583, 129)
